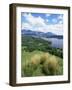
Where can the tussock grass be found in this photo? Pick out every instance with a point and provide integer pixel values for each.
(44, 57)
(51, 66)
(35, 59)
(42, 64)
(53, 62)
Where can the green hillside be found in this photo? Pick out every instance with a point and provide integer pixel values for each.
(38, 58)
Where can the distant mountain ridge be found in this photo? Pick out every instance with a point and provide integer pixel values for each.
(40, 34)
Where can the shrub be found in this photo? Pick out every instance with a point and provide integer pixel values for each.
(53, 65)
(44, 57)
(35, 59)
(50, 67)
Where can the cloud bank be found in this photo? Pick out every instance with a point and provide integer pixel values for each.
(48, 23)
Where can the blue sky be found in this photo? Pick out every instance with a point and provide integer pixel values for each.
(44, 22)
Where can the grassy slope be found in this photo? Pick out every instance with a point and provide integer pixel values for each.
(26, 58)
(32, 49)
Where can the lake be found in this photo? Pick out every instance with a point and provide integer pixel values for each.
(57, 43)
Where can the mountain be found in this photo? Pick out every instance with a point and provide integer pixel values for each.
(40, 34)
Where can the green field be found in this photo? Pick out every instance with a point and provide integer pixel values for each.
(39, 59)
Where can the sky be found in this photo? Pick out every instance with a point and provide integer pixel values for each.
(42, 22)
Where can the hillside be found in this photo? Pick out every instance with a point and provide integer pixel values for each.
(38, 58)
(36, 64)
(30, 44)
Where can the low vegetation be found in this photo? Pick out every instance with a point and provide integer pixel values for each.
(41, 64)
(39, 58)
(31, 43)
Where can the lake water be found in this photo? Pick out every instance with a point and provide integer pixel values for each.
(55, 42)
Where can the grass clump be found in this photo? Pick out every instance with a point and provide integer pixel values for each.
(42, 64)
(35, 59)
(44, 57)
(51, 66)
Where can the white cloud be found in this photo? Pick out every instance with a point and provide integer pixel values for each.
(24, 14)
(38, 24)
(26, 26)
(54, 20)
(60, 22)
(47, 15)
(47, 20)
(60, 17)
(34, 20)
(55, 28)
